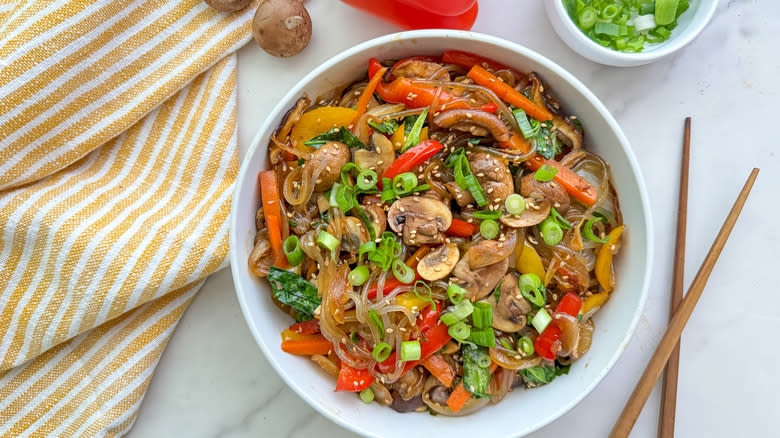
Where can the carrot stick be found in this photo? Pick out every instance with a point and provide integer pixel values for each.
(507, 93)
(269, 192)
(440, 368)
(308, 347)
(362, 103)
(417, 256)
(460, 395)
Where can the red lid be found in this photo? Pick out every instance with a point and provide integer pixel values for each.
(408, 14)
(440, 7)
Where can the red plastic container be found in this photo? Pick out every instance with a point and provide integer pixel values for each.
(422, 14)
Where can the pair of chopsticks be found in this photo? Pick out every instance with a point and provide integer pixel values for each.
(682, 308)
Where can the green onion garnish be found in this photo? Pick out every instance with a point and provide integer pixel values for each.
(483, 337)
(455, 293)
(292, 249)
(404, 183)
(358, 276)
(413, 138)
(552, 233)
(541, 320)
(366, 180)
(459, 331)
(463, 309)
(410, 350)
(489, 229)
(545, 173)
(587, 230)
(327, 241)
(665, 11)
(428, 297)
(587, 18)
(381, 351)
(449, 319)
(482, 317)
(611, 11)
(528, 129)
(525, 345)
(403, 273)
(505, 344)
(560, 219)
(345, 199)
(532, 289)
(515, 204)
(377, 322)
(487, 214)
(367, 395)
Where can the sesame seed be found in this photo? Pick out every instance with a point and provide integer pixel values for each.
(480, 175)
(490, 190)
(336, 130)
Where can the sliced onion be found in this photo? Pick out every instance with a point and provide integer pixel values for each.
(570, 333)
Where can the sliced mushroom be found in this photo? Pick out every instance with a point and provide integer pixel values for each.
(421, 69)
(488, 252)
(462, 197)
(414, 404)
(422, 220)
(510, 310)
(376, 215)
(551, 190)
(493, 175)
(537, 208)
(334, 155)
(438, 263)
(566, 127)
(463, 119)
(435, 396)
(478, 282)
(378, 160)
(355, 234)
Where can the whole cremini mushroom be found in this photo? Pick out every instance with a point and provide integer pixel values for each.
(228, 5)
(282, 27)
(438, 263)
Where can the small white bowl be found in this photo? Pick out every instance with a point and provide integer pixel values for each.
(690, 24)
(614, 323)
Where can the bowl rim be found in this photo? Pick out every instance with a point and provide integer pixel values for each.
(670, 46)
(237, 265)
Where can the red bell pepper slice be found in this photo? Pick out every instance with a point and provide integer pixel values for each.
(311, 327)
(352, 379)
(390, 284)
(412, 158)
(460, 228)
(569, 304)
(548, 343)
(434, 336)
(468, 60)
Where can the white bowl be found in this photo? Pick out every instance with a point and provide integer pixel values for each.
(690, 24)
(614, 323)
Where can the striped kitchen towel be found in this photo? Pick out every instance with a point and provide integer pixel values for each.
(117, 160)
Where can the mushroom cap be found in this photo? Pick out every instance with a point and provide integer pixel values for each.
(493, 175)
(333, 155)
(282, 27)
(537, 209)
(438, 263)
(551, 190)
(488, 252)
(228, 5)
(478, 282)
(509, 313)
(464, 119)
(421, 69)
(422, 220)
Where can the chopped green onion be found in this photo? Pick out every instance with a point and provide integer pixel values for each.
(367, 180)
(532, 289)
(345, 199)
(331, 195)
(528, 129)
(358, 276)
(552, 233)
(515, 204)
(560, 219)
(455, 293)
(463, 176)
(429, 297)
(662, 32)
(404, 183)
(487, 214)
(410, 350)
(665, 11)
(449, 319)
(525, 345)
(505, 344)
(545, 173)
(413, 138)
(388, 193)
(489, 229)
(459, 331)
(587, 18)
(484, 361)
(366, 248)
(367, 395)
(327, 241)
(377, 322)
(403, 273)
(381, 351)
(610, 29)
(588, 233)
(541, 320)
(292, 249)
(482, 317)
(646, 8)
(483, 337)
(611, 11)
(463, 309)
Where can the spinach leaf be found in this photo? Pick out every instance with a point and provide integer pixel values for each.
(413, 134)
(546, 145)
(476, 370)
(389, 126)
(291, 289)
(341, 134)
(542, 375)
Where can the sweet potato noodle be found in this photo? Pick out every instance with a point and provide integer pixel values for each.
(439, 231)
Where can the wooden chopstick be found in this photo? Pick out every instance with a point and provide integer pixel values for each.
(669, 392)
(672, 336)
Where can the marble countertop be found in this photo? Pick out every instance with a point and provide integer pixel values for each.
(213, 381)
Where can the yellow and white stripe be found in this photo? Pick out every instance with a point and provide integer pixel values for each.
(117, 161)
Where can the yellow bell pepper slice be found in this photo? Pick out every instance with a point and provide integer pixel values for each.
(289, 335)
(411, 301)
(604, 272)
(594, 301)
(319, 121)
(398, 137)
(424, 134)
(528, 261)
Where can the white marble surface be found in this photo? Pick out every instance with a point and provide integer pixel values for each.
(213, 381)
